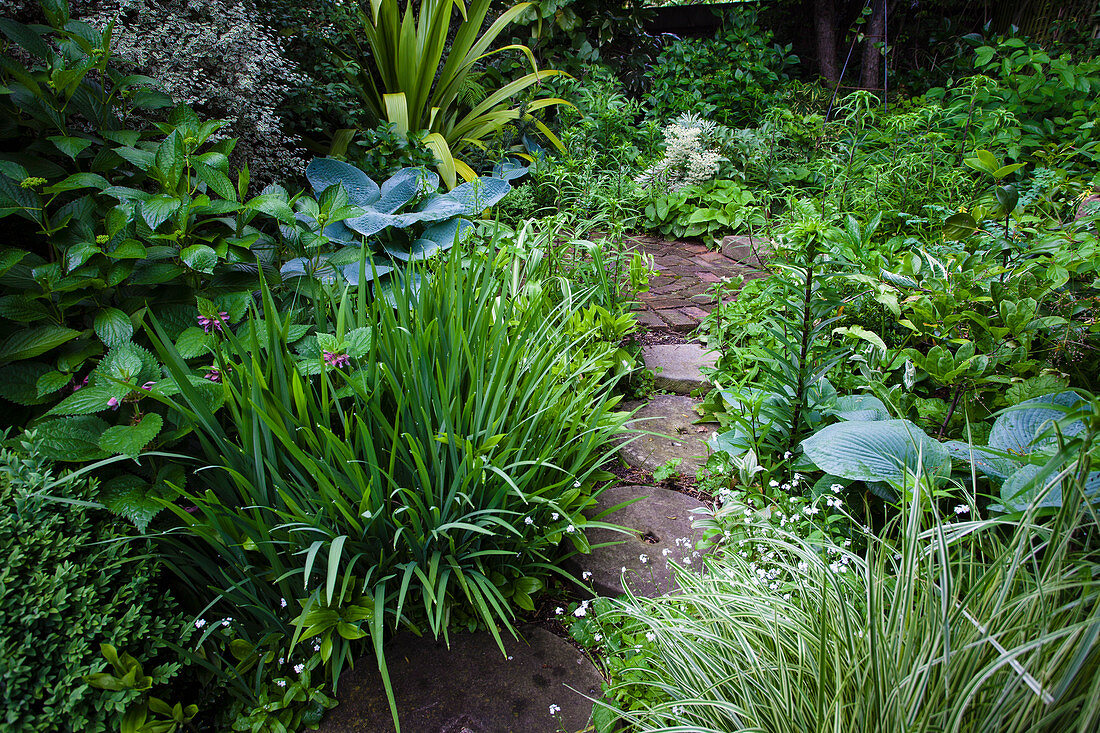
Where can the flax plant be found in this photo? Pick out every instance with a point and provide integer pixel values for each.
(427, 486)
(969, 626)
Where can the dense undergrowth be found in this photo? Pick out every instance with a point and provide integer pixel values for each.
(377, 393)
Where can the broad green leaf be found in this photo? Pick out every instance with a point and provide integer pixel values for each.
(129, 440)
(200, 257)
(157, 209)
(882, 450)
(132, 498)
(74, 439)
(1033, 387)
(51, 382)
(194, 342)
(113, 327)
(1017, 429)
(31, 342)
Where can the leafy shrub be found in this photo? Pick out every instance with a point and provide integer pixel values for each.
(70, 582)
(425, 478)
(218, 57)
(730, 78)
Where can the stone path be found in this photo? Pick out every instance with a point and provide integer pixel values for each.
(670, 433)
(677, 297)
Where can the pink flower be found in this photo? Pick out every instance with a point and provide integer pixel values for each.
(341, 361)
(213, 374)
(213, 324)
(148, 386)
(113, 403)
(79, 383)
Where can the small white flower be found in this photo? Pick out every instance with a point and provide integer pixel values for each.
(570, 529)
(298, 668)
(559, 611)
(650, 636)
(576, 484)
(510, 657)
(199, 623)
(803, 566)
(643, 558)
(598, 637)
(581, 611)
(586, 575)
(281, 683)
(225, 621)
(787, 456)
(282, 603)
(555, 709)
(836, 488)
(554, 516)
(622, 569)
(528, 521)
(773, 483)
(962, 509)
(665, 552)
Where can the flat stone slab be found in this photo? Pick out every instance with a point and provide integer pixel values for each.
(471, 687)
(746, 250)
(673, 417)
(662, 524)
(679, 366)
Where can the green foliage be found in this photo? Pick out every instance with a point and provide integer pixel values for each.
(708, 210)
(795, 633)
(413, 73)
(728, 78)
(427, 483)
(71, 581)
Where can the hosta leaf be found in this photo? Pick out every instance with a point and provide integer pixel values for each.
(129, 440)
(1016, 429)
(113, 327)
(74, 439)
(860, 407)
(882, 450)
(509, 169)
(324, 172)
(400, 188)
(31, 342)
(478, 195)
(986, 461)
(132, 498)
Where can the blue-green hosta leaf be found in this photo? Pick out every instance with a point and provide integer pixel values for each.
(396, 289)
(403, 186)
(434, 208)
(994, 464)
(325, 172)
(129, 440)
(74, 439)
(478, 195)
(351, 272)
(113, 327)
(882, 450)
(132, 498)
(28, 343)
(1016, 430)
(1022, 489)
(509, 169)
(860, 407)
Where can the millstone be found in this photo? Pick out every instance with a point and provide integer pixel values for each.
(471, 687)
(679, 366)
(662, 524)
(673, 418)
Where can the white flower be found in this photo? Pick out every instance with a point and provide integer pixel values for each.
(199, 623)
(665, 552)
(586, 575)
(576, 484)
(803, 566)
(598, 637)
(559, 611)
(528, 521)
(570, 529)
(554, 516)
(643, 558)
(298, 668)
(225, 621)
(282, 603)
(281, 683)
(810, 510)
(962, 509)
(773, 483)
(581, 611)
(787, 456)
(555, 709)
(650, 636)
(836, 488)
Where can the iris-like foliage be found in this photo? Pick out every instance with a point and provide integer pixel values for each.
(425, 481)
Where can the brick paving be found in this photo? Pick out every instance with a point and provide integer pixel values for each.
(678, 296)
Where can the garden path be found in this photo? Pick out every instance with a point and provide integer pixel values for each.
(678, 296)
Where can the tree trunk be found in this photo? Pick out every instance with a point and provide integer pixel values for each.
(870, 76)
(825, 31)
